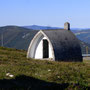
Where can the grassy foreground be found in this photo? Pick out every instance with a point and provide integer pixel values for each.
(32, 74)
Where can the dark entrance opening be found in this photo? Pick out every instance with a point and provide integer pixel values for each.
(45, 49)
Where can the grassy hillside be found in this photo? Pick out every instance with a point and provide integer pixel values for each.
(32, 74)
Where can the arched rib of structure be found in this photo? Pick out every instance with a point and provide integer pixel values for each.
(34, 43)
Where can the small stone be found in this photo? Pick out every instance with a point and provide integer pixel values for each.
(11, 75)
(58, 76)
(35, 73)
(49, 70)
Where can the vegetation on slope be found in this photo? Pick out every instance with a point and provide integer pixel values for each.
(83, 35)
(38, 74)
(16, 37)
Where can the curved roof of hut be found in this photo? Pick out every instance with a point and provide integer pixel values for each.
(65, 44)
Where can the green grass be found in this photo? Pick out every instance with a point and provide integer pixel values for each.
(76, 74)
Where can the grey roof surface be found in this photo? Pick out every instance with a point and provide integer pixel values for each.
(65, 44)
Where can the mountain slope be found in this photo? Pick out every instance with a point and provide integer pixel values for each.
(37, 27)
(83, 35)
(20, 38)
(16, 37)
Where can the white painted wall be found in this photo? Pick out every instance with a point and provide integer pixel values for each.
(50, 51)
(39, 50)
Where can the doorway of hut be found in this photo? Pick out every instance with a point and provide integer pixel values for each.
(45, 48)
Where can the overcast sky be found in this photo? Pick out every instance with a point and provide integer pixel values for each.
(45, 12)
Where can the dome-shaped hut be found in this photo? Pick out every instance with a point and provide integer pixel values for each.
(56, 45)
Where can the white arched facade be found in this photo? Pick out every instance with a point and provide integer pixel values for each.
(35, 49)
(39, 50)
